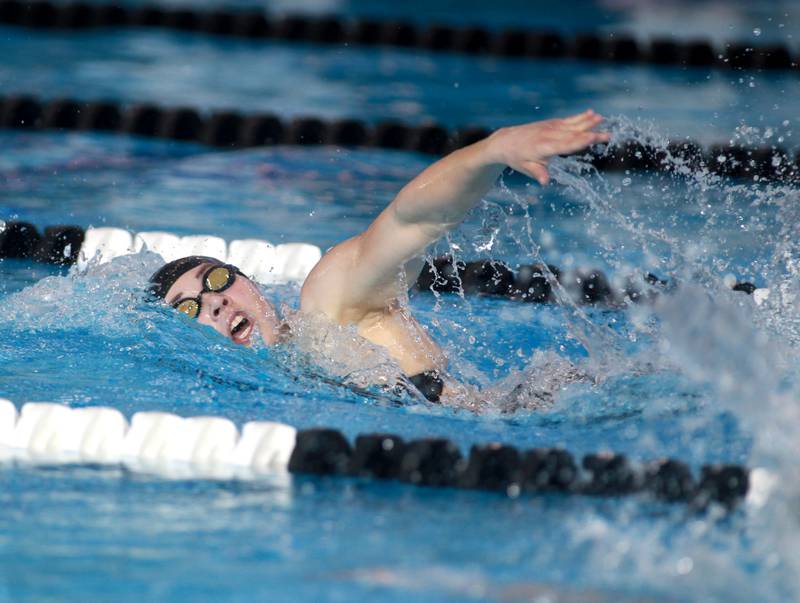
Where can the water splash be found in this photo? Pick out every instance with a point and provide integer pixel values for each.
(103, 299)
(720, 338)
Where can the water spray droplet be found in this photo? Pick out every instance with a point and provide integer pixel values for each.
(685, 565)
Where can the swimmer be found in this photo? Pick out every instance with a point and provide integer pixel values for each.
(363, 281)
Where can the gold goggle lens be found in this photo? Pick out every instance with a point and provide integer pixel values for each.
(217, 278)
(190, 307)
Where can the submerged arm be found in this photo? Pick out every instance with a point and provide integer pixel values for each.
(437, 200)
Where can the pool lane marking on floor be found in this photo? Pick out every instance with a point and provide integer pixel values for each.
(254, 24)
(207, 447)
(230, 130)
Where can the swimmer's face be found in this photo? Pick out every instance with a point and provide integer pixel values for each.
(235, 312)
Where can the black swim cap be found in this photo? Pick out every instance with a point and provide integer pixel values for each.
(166, 276)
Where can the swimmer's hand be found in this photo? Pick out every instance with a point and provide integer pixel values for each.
(527, 148)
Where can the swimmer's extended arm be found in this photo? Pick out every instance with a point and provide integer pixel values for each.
(436, 201)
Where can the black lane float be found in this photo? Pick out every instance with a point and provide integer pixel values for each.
(232, 130)
(437, 462)
(253, 24)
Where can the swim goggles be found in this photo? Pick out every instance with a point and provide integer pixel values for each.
(215, 280)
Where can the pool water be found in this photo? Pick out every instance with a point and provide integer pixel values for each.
(384, 83)
(704, 375)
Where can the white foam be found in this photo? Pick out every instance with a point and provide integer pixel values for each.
(760, 296)
(762, 483)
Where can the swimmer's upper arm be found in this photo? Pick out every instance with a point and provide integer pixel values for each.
(364, 273)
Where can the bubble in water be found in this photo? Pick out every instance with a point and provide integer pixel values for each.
(626, 182)
(757, 31)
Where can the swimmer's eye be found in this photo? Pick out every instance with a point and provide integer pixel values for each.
(190, 307)
(218, 279)
(215, 280)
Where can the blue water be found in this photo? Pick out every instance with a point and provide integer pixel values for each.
(250, 534)
(704, 376)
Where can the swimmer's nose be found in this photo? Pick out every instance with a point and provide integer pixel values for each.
(217, 306)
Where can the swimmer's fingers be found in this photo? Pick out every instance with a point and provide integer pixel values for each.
(536, 170)
(578, 116)
(526, 148)
(587, 124)
(573, 142)
(582, 121)
(591, 138)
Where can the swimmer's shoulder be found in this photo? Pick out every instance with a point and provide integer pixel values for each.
(325, 288)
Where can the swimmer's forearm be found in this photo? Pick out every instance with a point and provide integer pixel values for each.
(442, 195)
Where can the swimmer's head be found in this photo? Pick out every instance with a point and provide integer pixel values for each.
(217, 295)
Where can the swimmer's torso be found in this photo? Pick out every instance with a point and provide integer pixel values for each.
(406, 341)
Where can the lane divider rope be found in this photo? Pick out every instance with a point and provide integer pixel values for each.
(474, 40)
(233, 130)
(203, 447)
(267, 263)
(67, 245)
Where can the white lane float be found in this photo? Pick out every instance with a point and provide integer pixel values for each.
(157, 443)
(260, 260)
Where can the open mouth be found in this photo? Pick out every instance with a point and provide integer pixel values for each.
(241, 328)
